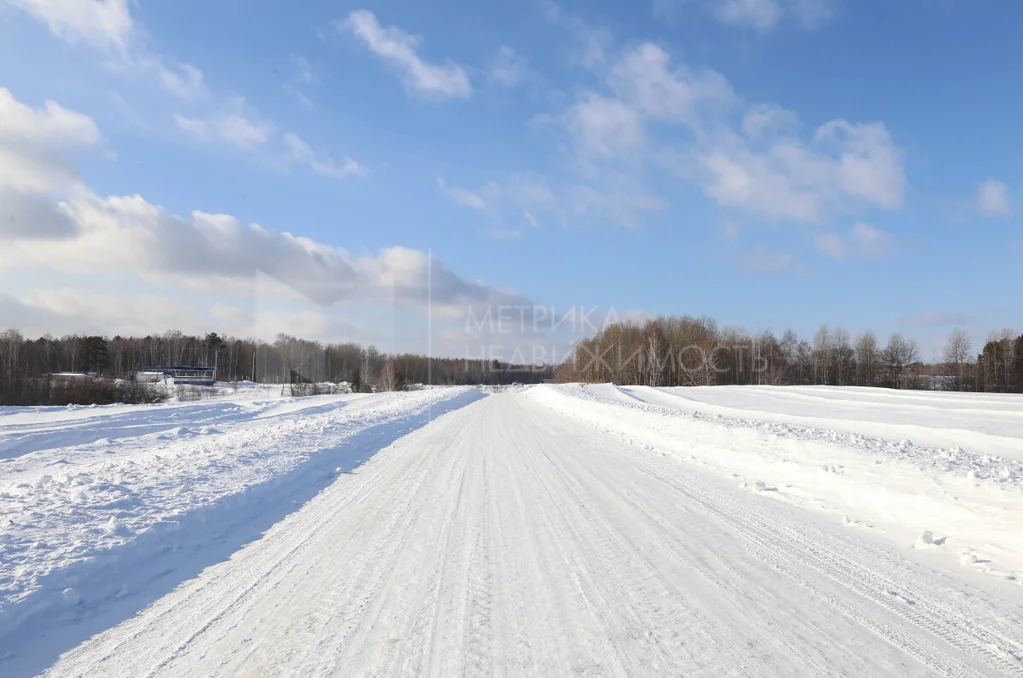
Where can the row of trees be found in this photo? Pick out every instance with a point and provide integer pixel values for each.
(999, 367)
(668, 351)
(285, 360)
(686, 351)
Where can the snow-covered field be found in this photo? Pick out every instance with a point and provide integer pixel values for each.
(598, 530)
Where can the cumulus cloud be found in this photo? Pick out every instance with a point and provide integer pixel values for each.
(843, 166)
(50, 124)
(31, 215)
(83, 234)
(604, 126)
(993, 199)
(31, 169)
(646, 79)
(71, 310)
(216, 252)
(400, 49)
(760, 165)
(301, 152)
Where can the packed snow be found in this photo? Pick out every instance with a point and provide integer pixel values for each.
(547, 530)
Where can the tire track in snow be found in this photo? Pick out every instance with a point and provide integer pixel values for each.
(505, 539)
(781, 545)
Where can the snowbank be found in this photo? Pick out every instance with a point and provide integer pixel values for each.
(969, 500)
(98, 500)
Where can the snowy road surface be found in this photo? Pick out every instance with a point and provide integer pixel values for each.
(533, 533)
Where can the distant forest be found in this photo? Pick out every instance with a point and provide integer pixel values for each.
(685, 351)
(28, 366)
(668, 351)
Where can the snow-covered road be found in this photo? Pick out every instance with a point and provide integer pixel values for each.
(534, 533)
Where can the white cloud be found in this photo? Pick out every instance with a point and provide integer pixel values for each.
(869, 164)
(194, 126)
(186, 84)
(303, 78)
(236, 128)
(464, 196)
(51, 124)
(603, 126)
(863, 242)
(760, 15)
(303, 70)
(399, 48)
(590, 43)
(760, 165)
(216, 253)
(243, 132)
(768, 119)
(845, 166)
(610, 196)
(203, 254)
(325, 165)
(993, 199)
(614, 197)
(508, 68)
(871, 242)
(32, 215)
(811, 13)
(645, 78)
(31, 171)
(106, 24)
(758, 183)
(34, 168)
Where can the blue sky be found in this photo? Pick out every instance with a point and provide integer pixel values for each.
(312, 169)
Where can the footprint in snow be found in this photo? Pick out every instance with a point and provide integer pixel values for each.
(926, 540)
(758, 486)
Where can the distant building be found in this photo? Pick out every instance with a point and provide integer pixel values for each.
(179, 374)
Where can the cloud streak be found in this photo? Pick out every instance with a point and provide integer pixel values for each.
(760, 15)
(400, 49)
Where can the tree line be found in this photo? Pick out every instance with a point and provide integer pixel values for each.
(667, 351)
(286, 360)
(686, 351)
